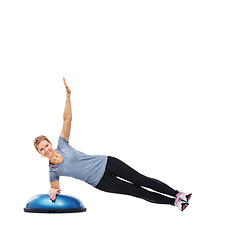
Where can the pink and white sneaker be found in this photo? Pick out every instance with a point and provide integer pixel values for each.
(184, 196)
(180, 204)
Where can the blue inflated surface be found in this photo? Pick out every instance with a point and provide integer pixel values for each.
(62, 203)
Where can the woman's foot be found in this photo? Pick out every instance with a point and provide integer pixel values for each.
(180, 204)
(184, 196)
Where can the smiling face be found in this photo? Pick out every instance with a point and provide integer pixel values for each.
(45, 148)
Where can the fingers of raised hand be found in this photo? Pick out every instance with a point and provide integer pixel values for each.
(64, 81)
(66, 86)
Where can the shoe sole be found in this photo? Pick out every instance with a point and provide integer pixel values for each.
(188, 197)
(184, 207)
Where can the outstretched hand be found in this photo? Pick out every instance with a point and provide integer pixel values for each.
(66, 86)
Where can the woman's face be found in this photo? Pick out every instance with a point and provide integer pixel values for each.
(45, 148)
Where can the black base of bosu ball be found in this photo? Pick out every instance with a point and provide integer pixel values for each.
(63, 204)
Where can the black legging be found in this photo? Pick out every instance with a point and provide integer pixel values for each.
(136, 181)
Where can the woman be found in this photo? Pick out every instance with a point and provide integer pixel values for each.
(102, 172)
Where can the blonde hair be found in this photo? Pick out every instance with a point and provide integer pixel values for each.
(37, 140)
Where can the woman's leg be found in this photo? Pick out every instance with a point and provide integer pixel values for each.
(116, 168)
(114, 185)
(122, 170)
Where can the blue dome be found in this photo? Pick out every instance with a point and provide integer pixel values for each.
(63, 204)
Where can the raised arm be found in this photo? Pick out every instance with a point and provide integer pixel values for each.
(67, 115)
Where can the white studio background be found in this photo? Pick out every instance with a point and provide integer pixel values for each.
(154, 83)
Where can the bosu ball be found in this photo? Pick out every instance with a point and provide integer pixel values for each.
(63, 204)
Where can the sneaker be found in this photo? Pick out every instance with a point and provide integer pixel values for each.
(184, 196)
(180, 204)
